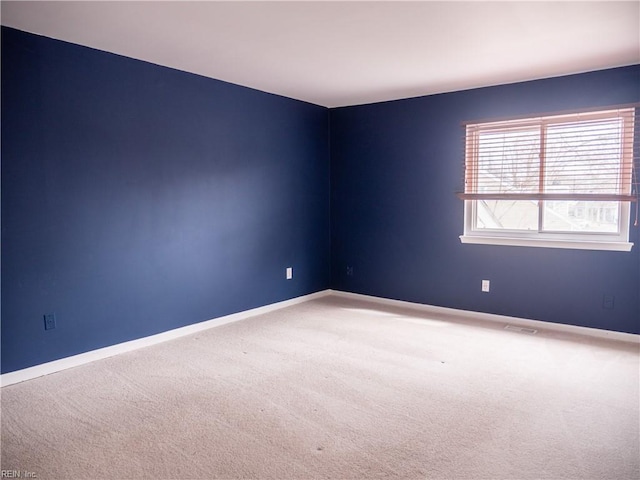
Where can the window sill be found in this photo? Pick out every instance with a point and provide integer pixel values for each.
(546, 243)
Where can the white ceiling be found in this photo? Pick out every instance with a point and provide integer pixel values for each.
(347, 53)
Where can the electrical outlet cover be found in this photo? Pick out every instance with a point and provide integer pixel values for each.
(50, 321)
(608, 302)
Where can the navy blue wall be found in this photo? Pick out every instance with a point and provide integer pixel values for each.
(395, 219)
(136, 198)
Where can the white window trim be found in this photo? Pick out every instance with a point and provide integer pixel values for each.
(569, 240)
(571, 244)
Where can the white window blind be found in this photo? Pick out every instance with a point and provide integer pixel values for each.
(585, 156)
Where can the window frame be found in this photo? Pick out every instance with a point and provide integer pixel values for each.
(613, 241)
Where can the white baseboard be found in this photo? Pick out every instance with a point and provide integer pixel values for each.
(502, 319)
(106, 352)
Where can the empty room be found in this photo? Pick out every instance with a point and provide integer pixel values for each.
(305, 240)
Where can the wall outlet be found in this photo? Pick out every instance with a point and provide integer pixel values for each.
(289, 273)
(349, 271)
(50, 321)
(608, 302)
(485, 285)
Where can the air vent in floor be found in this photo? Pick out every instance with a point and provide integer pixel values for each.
(514, 328)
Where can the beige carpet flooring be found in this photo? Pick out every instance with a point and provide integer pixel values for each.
(337, 388)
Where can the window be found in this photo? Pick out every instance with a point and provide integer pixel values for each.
(564, 181)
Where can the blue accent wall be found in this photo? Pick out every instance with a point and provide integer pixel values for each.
(395, 168)
(137, 198)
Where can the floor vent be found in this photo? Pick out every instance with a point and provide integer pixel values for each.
(513, 328)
